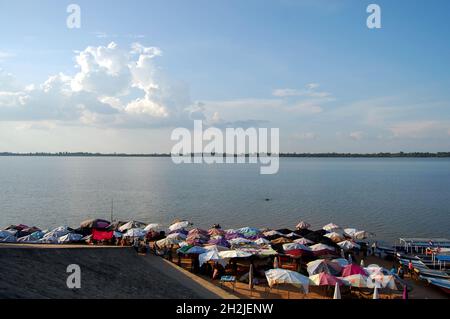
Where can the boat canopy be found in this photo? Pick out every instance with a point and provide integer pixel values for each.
(425, 242)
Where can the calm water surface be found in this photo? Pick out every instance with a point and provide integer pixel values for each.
(390, 197)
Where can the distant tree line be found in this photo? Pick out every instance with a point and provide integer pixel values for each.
(368, 155)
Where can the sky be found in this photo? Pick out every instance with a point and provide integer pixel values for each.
(135, 70)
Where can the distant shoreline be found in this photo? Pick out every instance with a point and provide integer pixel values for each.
(299, 155)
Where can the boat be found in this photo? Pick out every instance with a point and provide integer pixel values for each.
(443, 284)
(438, 274)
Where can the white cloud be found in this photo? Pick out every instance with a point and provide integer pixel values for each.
(111, 86)
(419, 129)
(310, 91)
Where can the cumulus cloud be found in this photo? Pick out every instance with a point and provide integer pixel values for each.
(111, 86)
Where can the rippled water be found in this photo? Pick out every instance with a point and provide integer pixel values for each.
(390, 197)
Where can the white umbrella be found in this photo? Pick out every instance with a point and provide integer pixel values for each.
(179, 225)
(303, 241)
(262, 241)
(356, 280)
(211, 255)
(131, 224)
(302, 225)
(375, 293)
(234, 254)
(334, 236)
(347, 245)
(167, 242)
(319, 247)
(283, 276)
(291, 246)
(179, 236)
(135, 232)
(323, 265)
(272, 233)
(241, 241)
(337, 292)
(150, 227)
(381, 281)
(331, 227)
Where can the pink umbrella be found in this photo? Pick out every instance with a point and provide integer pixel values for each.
(325, 279)
(353, 269)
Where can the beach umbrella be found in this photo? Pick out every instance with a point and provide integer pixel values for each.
(334, 236)
(303, 241)
(249, 231)
(262, 241)
(353, 269)
(322, 249)
(281, 240)
(347, 245)
(302, 225)
(154, 226)
(331, 227)
(135, 232)
(241, 241)
(341, 261)
(292, 246)
(271, 233)
(167, 242)
(324, 279)
(358, 281)
(293, 235)
(283, 276)
(215, 247)
(178, 236)
(131, 224)
(198, 231)
(7, 236)
(95, 223)
(323, 265)
(179, 225)
(70, 238)
(211, 255)
(381, 281)
(375, 293)
(297, 253)
(196, 250)
(216, 232)
(234, 254)
(373, 269)
(360, 235)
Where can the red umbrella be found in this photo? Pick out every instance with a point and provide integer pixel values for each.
(297, 253)
(353, 269)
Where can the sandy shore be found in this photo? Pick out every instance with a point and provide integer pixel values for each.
(39, 271)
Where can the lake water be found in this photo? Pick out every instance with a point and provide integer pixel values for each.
(390, 197)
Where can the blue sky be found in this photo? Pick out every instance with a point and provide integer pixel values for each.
(311, 68)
